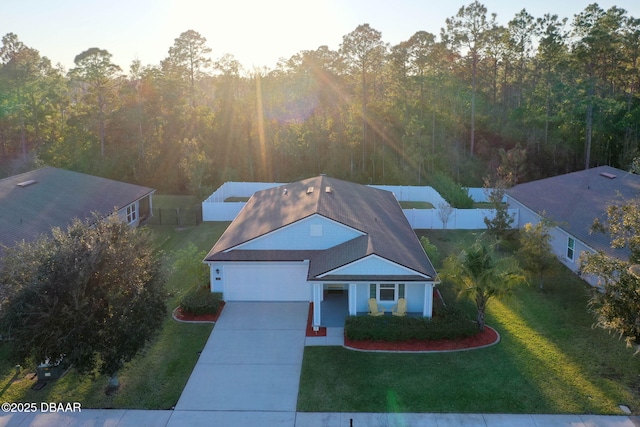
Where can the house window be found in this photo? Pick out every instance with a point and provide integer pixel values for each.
(132, 214)
(571, 244)
(387, 292)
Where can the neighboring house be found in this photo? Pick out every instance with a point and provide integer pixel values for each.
(573, 201)
(297, 241)
(34, 202)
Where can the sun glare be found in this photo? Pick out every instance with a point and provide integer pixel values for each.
(556, 375)
(256, 33)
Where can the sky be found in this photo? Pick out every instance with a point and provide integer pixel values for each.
(256, 32)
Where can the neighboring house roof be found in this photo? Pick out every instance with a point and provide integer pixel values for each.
(374, 212)
(573, 201)
(34, 202)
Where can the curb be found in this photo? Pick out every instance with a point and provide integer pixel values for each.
(497, 340)
(173, 314)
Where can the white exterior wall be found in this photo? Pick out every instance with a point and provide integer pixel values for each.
(303, 235)
(559, 240)
(215, 279)
(559, 243)
(122, 214)
(362, 304)
(526, 215)
(414, 294)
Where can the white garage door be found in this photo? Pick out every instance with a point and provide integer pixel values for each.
(267, 281)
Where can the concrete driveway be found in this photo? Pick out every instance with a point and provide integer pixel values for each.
(249, 370)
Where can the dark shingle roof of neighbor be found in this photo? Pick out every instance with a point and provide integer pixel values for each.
(56, 198)
(374, 212)
(575, 200)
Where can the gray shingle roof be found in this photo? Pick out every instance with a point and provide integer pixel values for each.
(574, 200)
(55, 199)
(372, 211)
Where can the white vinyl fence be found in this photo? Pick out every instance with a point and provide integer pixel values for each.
(214, 208)
(460, 219)
(412, 193)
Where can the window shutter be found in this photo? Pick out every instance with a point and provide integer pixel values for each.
(372, 290)
(401, 290)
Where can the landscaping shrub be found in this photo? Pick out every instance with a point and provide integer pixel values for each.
(431, 250)
(200, 300)
(456, 195)
(448, 323)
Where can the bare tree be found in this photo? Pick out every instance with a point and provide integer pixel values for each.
(445, 210)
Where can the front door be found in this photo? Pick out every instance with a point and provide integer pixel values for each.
(335, 306)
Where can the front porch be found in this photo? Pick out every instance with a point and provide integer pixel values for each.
(335, 308)
(333, 303)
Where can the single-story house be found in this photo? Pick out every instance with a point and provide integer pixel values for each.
(34, 202)
(298, 241)
(573, 201)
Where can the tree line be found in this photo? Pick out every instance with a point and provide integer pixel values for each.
(560, 93)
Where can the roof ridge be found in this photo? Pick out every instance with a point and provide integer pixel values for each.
(27, 172)
(320, 194)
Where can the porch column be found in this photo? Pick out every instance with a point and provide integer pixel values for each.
(427, 310)
(353, 306)
(317, 305)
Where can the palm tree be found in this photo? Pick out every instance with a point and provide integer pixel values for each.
(479, 271)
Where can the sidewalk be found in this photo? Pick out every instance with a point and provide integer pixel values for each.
(141, 418)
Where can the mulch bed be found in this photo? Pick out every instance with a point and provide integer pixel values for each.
(322, 331)
(204, 318)
(482, 339)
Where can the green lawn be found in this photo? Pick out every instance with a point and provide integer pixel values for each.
(550, 360)
(169, 201)
(154, 379)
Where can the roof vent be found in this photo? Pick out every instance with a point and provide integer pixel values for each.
(328, 189)
(285, 192)
(26, 183)
(309, 190)
(607, 175)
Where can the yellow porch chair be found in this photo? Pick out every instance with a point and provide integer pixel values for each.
(374, 310)
(401, 308)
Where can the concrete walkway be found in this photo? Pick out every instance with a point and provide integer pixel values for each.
(248, 375)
